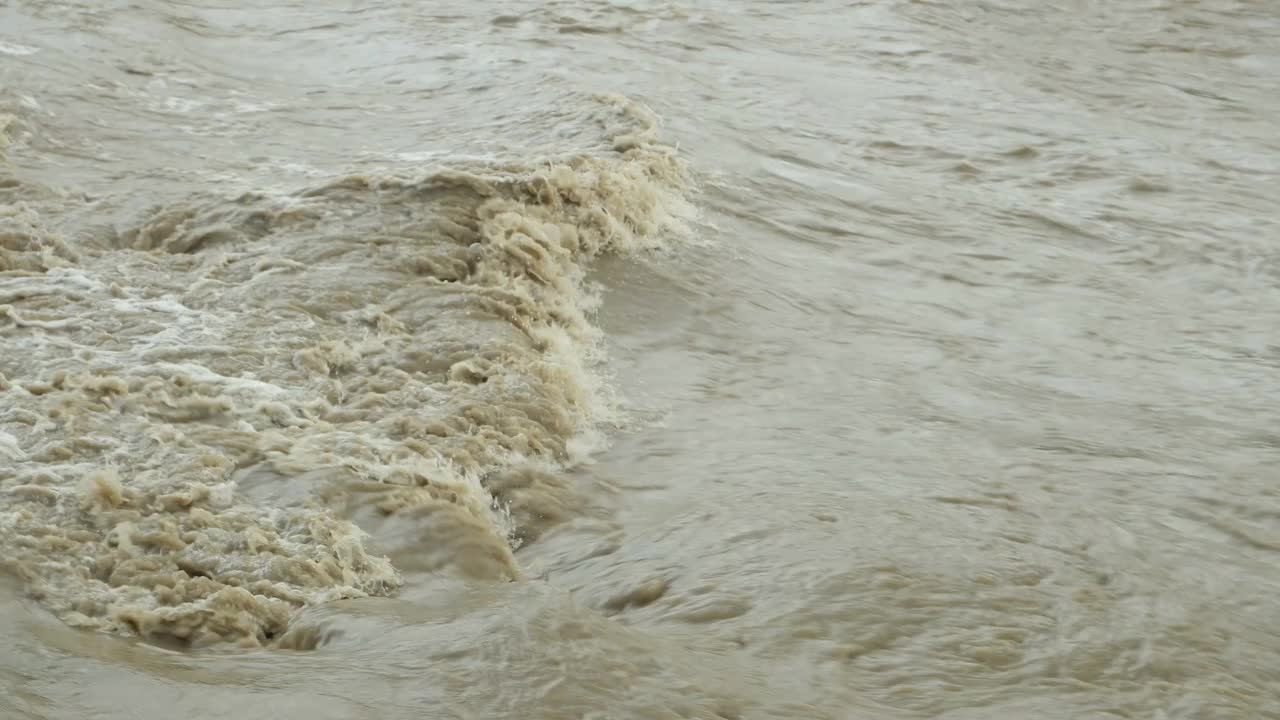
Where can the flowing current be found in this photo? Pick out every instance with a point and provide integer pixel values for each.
(682, 359)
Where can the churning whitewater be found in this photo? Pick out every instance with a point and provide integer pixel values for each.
(395, 350)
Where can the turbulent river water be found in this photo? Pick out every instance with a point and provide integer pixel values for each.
(640, 359)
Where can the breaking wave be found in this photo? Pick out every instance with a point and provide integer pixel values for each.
(206, 410)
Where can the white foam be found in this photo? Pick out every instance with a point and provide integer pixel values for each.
(10, 48)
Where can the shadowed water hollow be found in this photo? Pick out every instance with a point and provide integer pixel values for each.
(639, 360)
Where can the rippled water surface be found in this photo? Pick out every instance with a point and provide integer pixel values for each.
(640, 359)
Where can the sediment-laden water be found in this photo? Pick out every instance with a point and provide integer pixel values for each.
(639, 360)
